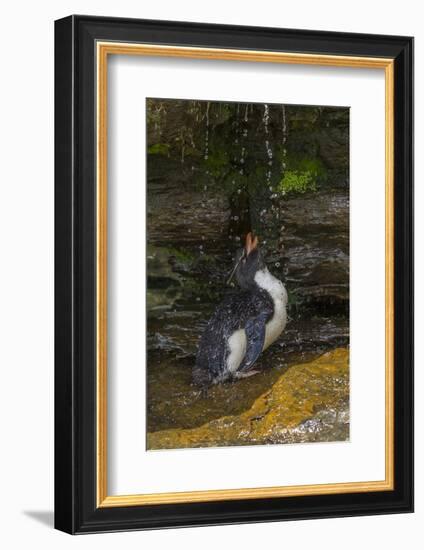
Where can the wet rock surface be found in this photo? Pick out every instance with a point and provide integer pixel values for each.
(316, 247)
(300, 402)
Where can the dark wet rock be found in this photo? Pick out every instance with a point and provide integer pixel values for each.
(315, 238)
(184, 215)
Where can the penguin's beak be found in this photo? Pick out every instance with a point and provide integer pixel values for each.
(251, 243)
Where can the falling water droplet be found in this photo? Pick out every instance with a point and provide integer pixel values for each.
(206, 156)
(266, 117)
(267, 144)
(283, 107)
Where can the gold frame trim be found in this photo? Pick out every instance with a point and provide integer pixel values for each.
(103, 49)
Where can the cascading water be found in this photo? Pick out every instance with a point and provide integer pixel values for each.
(206, 155)
(267, 144)
(284, 131)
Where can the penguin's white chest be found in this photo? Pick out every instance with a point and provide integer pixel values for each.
(275, 326)
(237, 343)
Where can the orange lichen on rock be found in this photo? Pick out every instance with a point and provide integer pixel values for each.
(309, 402)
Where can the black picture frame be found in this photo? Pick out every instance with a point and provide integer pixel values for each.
(76, 510)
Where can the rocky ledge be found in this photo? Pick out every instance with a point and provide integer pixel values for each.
(308, 402)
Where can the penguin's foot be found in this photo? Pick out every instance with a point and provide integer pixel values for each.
(246, 374)
(202, 393)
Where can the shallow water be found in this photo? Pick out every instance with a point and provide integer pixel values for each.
(296, 398)
(173, 401)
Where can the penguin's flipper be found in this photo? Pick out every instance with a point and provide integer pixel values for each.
(255, 337)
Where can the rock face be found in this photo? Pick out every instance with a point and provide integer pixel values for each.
(309, 402)
(316, 247)
(216, 171)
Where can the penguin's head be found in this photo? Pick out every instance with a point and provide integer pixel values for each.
(247, 262)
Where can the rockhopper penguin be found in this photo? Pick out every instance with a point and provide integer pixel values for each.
(244, 324)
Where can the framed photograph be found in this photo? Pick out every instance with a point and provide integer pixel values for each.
(234, 274)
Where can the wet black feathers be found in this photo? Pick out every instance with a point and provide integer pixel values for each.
(251, 309)
(255, 336)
